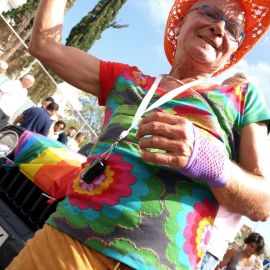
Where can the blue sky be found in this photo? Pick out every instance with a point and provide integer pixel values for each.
(141, 44)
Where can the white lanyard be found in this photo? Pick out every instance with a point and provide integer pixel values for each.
(143, 106)
(168, 96)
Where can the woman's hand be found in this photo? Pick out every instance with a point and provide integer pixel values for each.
(171, 133)
(258, 264)
(184, 148)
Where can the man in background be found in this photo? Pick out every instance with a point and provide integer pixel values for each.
(46, 102)
(73, 144)
(2, 50)
(12, 95)
(64, 137)
(3, 71)
(37, 119)
(58, 127)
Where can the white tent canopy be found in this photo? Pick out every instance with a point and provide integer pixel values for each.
(67, 95)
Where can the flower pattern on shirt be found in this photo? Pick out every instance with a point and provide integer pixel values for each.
(194, 218)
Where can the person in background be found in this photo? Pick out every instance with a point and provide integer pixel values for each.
(3, 71)
(12, 95)
(237, 78)
(65, 136)
(54, 119)
(151, 192)
(246, 258)
(2, 51)
(37, 119)
(46, 102)
(58, 127)
(86, 149)
(74, 143)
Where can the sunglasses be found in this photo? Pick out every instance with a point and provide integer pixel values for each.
(214, 14)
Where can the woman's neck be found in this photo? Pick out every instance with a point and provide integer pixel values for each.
(183, 71)
(246, 254)
(170, 82)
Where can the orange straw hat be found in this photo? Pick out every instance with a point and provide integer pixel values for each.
(257, 14)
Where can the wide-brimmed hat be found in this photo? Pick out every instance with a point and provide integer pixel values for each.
(257, 14)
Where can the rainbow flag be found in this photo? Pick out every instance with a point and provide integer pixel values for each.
(47, 162)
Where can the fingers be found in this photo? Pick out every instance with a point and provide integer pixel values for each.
(169, 146)
(159, 129)
(172, 134)
(174, 161)
(161, 117)
(177, 153)
(166, 125)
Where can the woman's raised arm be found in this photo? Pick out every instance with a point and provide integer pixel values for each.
(72, 65)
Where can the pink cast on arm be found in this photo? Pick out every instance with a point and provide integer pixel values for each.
(207, 162)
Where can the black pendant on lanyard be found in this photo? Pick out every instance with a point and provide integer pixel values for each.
(98, 165)
(95, 169)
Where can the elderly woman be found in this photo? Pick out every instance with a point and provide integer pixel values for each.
(160, 192)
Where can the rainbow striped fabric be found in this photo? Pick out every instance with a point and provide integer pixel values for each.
(47, 162)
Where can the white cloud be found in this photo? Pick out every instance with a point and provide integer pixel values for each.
(157, 10)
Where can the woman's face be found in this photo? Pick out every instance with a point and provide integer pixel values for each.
(207, 44)
(58, 127)
(251, 248)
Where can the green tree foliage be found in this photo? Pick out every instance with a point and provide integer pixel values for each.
(238, 241)
(92, 112)
(90, 28)
(21, 19)
(91, 115)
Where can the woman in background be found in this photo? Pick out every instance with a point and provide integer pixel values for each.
(246, 258)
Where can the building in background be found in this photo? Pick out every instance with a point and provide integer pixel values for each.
(5, 5)
(67, 95)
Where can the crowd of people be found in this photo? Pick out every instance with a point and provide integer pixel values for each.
(43, 120)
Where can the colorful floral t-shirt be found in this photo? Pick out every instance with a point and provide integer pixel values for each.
(144, 215)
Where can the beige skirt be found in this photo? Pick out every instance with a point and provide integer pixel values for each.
(51, 249)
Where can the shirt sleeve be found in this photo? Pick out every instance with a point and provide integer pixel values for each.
(108, 73)
(6, 87)
(62, 138)
(256, 109)
(27, 112)
(46, 128)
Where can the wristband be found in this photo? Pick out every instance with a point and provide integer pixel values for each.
(207, 162)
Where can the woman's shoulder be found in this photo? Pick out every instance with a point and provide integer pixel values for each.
(232, 252)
